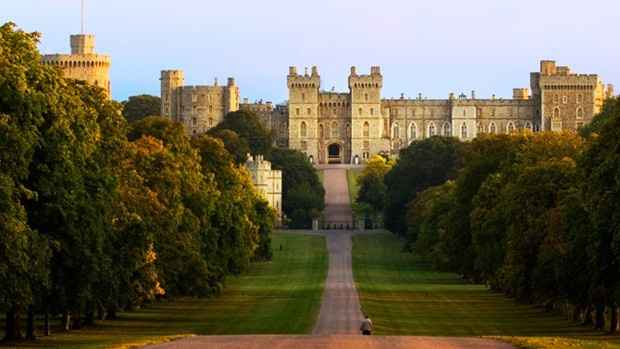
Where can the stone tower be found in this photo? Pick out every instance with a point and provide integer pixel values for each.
(171, 80)
(83, 63)
(369, 127)
(567, 101)
(303, 111)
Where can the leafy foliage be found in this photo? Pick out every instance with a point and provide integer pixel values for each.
(138, 107)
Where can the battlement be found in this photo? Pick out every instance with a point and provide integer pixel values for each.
(77, 60)
(372, 80)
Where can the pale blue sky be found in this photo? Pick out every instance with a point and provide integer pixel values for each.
(433, 47)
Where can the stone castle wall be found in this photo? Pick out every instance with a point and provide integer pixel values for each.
(83, 63)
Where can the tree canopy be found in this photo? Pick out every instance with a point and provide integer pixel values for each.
(138, 107)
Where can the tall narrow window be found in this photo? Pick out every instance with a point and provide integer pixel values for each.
(446, 129)
(372, 111)
(297, 111)
(579, 98)
(492, 128)
(366, 97)
(366, 130)
(321, 134)
(579, 113)
(556, 113)
(464, 131)
(395, 131)
(431, 130)
(359, 111)
(304, 129)
(528, 126)
(510, 128)
(303, 97)
(413, 131)
(309, 111)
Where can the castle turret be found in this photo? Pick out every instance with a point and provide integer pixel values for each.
(171, 81)
(304, 110)
(231, 94)
(369, 127)
(83, 63)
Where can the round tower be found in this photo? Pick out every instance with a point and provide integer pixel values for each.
(171, 81)
(83, 63)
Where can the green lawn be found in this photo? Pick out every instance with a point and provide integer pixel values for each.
(352, 175)
(403, 296)
(279, 297)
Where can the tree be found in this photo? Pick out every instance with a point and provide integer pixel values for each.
(372, 189)
(423, 164)
(303, 194)
(601, 167)
(247, 125)
(236, 146)
(139, 107)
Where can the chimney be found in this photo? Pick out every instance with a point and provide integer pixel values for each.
(473, 94)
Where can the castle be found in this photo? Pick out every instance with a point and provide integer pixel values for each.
(83, 63)
(350, 127)
(268, 182)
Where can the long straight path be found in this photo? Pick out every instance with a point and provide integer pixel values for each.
(340, 309)
(337, 202)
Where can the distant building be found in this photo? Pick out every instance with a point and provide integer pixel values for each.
(198, 108)
(83, 63)
(350, 127)
(267, 181)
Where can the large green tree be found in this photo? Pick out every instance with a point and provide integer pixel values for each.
(138, 107)
(247, 125)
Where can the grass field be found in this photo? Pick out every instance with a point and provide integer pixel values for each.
(405, 297)
(352, 175)
(280, 297)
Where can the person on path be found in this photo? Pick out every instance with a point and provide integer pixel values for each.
(366, 327)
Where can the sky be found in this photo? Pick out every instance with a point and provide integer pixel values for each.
(432, 47)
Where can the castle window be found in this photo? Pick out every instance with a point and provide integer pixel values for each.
(372, 111)
(464, 112)
(210, 122)
(556, 99)
(366, 130)
(359, 111)
(210, 109)
(413, 131)
(464, 131)
(304, 129)
(348, 130)
(528, 126)
(194, 121)
(492, 128)
(321, 134)
(366, 97)
(297, 111)
(395, 131)
(309, 111)
(335, 133)
(564, 99)
(446, 129)
(431, 130)
(510, 128)
(303, 97)
(579, 113)
(556, 113)
(579, 99)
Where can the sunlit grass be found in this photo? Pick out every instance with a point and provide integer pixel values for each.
(352, 175)
(403, 296)
(279, 297)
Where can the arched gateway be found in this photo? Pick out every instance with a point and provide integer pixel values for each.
(334, 154)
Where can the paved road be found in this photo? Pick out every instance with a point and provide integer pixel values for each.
(337, 206)
(340, 309)
(331, 342)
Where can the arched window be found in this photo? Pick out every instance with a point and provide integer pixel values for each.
(556, 113)
(366, 130)
(359, 111)
(479, 127)
(304, 129)
(579, 99)
(366, 97)
(348, 130)
(413, 131)
(335, 130)
(579, 113)
(492, 128)
(446, 129)
(431, 129)
(464, 131)
(528, 126)
(321, 134)
(395, 131)
(510, 128)
(210, 122)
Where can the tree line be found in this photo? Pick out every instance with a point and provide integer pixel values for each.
(533, 215)
(99, 215)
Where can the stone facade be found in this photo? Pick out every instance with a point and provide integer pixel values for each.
(350, 127)
(198, 108)
(267, 181)
(83, 63)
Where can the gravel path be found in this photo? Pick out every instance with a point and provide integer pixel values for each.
(337, 206)
(340, 309)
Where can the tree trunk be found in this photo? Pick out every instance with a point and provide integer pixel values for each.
(66, 320)
(613, 325)
(100, 312)
(30, 331)
(77, 323)
(599, 323)
(46, 323)
(12, 330)
(587, 316)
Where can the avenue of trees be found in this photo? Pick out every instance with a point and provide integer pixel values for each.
(98, 215)
(536, 216)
